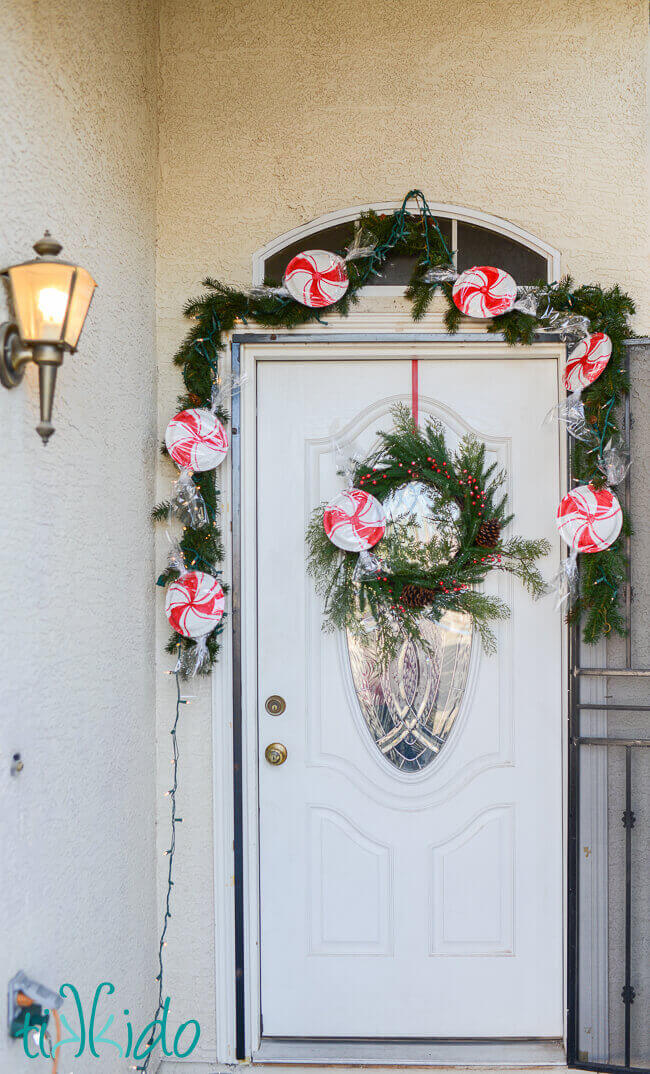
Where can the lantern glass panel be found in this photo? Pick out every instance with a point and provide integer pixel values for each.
(41, 291)
(82, 292)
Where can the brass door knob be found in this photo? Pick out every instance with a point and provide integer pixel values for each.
(276, 753)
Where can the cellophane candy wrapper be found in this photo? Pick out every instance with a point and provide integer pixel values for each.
(175, 558)
(187, 503)
(438, 274)
(363, 245)
(224, 387)
(368, 565)
(572, 412)
(530, 300)
(263, 290)
(614, 462)
(567, 325)
(194, 658)
(564, 584)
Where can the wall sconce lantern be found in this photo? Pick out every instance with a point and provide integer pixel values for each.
(50, 299)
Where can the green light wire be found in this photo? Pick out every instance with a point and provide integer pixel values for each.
(170, 883)
(399, 231)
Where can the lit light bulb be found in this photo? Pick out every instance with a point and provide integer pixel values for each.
(52, 304)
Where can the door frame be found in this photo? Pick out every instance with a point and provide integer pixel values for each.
(235, 743)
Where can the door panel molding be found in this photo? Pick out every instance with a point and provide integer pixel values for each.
(353, 870)
(501, 941)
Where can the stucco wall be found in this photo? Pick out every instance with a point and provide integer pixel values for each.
(272, 114)
(77, 155)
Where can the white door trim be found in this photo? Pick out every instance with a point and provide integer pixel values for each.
(251, 346)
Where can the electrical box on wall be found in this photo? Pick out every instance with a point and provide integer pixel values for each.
(28, 997)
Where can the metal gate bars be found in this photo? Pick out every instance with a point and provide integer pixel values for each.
(609, 799)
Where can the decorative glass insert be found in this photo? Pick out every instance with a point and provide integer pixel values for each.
(410, 706)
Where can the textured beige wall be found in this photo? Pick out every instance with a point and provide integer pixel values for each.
(77, 154)
(274, 113)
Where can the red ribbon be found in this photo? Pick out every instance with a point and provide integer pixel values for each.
(414, 391)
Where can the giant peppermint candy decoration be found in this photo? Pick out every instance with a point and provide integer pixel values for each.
(587, 361)
(589, 519)
(194, 604)
(196, 440)
(354, 521)
(316, 278)
(484, 292)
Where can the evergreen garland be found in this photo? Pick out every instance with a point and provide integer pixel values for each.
(216, 312)
(450, 568)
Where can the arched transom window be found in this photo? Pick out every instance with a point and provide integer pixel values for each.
(476, 239)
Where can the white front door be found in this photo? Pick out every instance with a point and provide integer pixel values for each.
(400, 903)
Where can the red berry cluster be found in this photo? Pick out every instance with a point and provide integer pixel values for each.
(456, 586)
(373, 476)
(436, 469)
(476, 494)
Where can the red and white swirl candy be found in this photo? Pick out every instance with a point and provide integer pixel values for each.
(587, 361)
(316, 278)
(484, 291)
(194, 604)
(589, 519)
(196, 440)
(354, 521)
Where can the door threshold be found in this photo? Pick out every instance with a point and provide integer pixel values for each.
(416, 1053)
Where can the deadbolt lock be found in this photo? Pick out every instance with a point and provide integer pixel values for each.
(275, 705)
(276, 753)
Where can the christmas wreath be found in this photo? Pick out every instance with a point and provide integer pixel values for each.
(446, 513)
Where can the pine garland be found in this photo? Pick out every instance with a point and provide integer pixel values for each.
(215, 313)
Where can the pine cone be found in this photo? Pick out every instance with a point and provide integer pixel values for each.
(417, 596)
(489, 533)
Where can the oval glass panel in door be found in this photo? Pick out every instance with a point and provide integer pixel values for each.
(411, 705)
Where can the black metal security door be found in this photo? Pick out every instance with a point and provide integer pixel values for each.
(609, 811)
